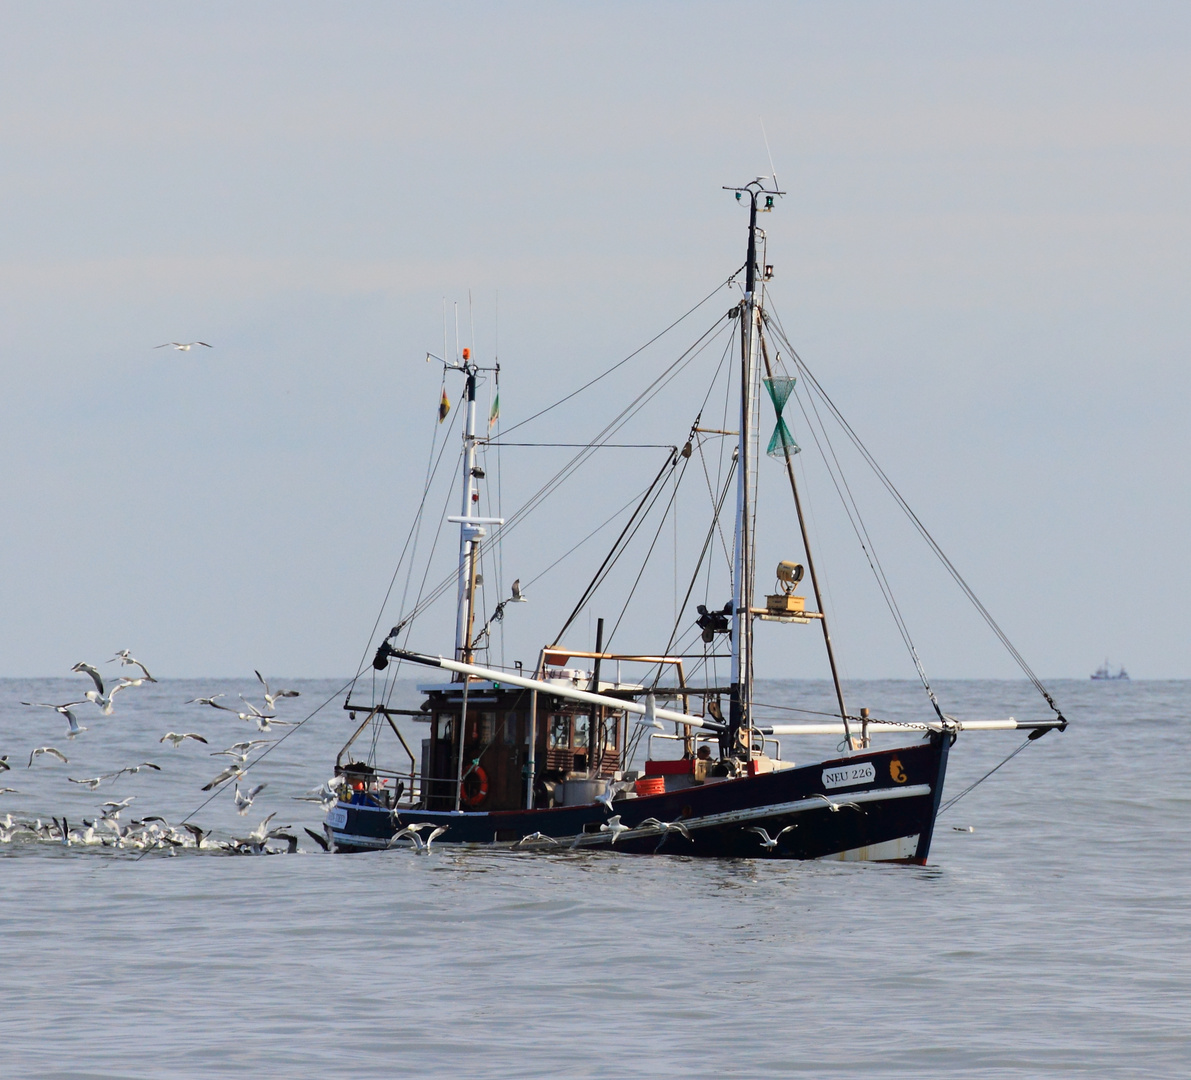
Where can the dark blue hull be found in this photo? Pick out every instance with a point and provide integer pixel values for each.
(883, 809)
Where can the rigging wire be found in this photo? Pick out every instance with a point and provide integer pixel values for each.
(922, 530)
(621, 363)
(622, 418)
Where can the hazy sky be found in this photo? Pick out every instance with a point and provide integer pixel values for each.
(983, 255)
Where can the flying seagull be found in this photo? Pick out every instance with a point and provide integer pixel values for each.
(235, 772)
(65, 711)
(176, 739)
(518, 596)
(184, 346)
(272, 696)
(769, 842)
(244, 799)
(613, 826)
(93, 671)
(128, 660)
(47, 750)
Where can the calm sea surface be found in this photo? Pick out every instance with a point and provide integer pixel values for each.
(1053, 940)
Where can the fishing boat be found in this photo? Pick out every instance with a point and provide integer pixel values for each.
(663, 749)
(1104, 672)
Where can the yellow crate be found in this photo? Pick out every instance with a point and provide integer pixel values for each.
(783, 604)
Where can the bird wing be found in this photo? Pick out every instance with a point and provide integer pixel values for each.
(202, 343)
(194, 735)
(254, 792)
(91, 670)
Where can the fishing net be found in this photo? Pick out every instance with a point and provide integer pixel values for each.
(782, 444)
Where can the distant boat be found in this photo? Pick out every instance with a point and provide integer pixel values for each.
(1103, 672)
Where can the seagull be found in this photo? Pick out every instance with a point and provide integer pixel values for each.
(265, 723)
(199, 834)
(244, 801)
(536, 838)
(128, 660)
(613, 826)
(111, 810)
(605, 800)
(240, 751)
(768, 842)
(421, 846)
(75, 729)
(665, 827)
(260, 833)
(137, 768)
(319, 839)
(650, 718)
(212, 701)
(325, 795)
(8, 791)
(176, 740)
(93, 782)
(963, 828)
(106, 703)
(93, 671)
(47, 750)
(272, 696)
(835, 807)
(518, 596)
(182, 346)
(4, 765)
(234, 772)
(126, 682)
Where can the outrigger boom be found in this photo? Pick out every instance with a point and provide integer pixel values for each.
(555, 689)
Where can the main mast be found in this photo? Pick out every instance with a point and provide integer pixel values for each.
(740, 702)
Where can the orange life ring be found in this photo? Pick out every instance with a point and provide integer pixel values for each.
(477, 793)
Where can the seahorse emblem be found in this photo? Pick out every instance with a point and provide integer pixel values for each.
(897, 772)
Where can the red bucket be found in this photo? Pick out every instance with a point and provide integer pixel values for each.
(650, 785)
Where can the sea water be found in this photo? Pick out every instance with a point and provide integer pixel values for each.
(1050, 940)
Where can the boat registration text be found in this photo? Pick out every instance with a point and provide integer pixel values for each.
(849, 775)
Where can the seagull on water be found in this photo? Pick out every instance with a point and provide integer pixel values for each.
(75, 729)
(421, 846)
(271, 696)
(183, 346)
(128, 660)
(175, 739)
(768, 842)
(244, 799)
(47, 750)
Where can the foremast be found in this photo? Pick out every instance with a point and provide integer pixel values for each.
(472, 529)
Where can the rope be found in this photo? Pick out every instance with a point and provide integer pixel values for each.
(952, 801)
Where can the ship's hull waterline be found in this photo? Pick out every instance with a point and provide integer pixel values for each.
(872, 805)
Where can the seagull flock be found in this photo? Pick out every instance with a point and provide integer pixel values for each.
(104, 828)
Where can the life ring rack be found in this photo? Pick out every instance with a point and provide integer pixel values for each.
(474, 795)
